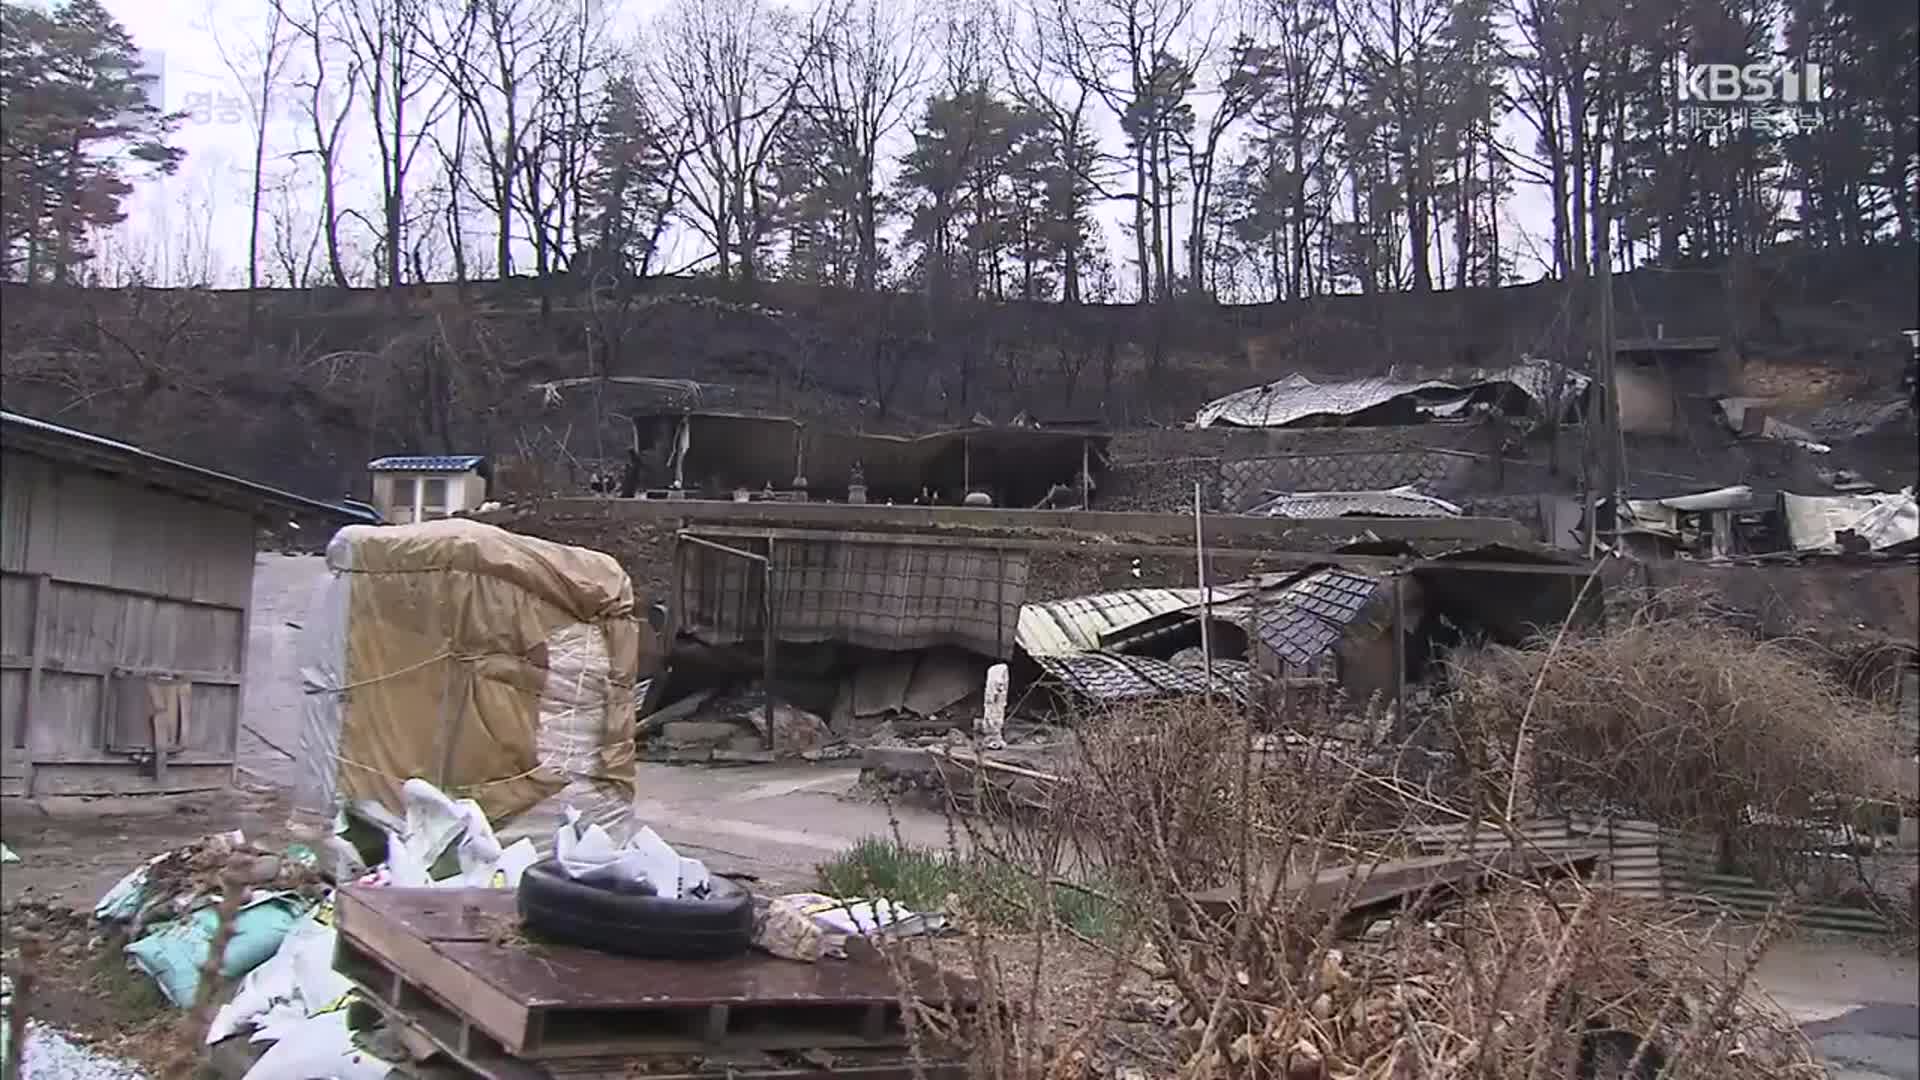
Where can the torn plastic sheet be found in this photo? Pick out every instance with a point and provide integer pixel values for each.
(590, 855)
(858, 917)
(310, 1046)
(436, 824)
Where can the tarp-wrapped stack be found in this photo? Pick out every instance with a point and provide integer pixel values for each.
(498, 666)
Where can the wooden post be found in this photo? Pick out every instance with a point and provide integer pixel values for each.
(161, 710)
(36, 661)
(1206, 594)
(1086, 477)
(1399, 728)
(240, 693)
(770, 636)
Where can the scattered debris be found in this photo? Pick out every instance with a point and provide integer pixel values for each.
(732, 726)
(857, 917)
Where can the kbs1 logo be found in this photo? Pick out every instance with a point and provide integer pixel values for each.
(1763, 85)
(1721, 101)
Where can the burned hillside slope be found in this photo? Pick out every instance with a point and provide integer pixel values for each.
(303, 387)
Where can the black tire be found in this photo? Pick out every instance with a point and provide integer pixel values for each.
(557, 908)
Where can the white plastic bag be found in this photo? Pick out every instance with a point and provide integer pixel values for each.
(590, 855)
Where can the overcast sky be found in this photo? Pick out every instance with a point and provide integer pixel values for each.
(193, 225)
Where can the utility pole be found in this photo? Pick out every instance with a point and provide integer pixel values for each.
(1613, 450)
(1605, 428)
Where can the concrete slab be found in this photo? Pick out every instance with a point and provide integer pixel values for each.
(271, 699)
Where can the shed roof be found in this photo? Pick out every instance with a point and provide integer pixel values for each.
(56, 442)
(1401, 501)
(447, 463)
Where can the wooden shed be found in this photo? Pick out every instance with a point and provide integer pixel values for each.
(125, 579)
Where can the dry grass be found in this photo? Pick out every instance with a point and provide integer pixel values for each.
(1677, 718)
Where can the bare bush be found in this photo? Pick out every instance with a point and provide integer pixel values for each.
(1233, 862)
(1677, 718)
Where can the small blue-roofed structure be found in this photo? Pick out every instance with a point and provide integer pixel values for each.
(409, 488)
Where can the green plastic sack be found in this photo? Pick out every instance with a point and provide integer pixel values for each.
(174, 952)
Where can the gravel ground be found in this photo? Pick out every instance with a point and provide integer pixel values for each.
(50, 1055)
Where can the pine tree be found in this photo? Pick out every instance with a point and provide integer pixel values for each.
(76, 126)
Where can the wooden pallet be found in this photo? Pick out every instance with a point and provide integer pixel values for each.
(450, 1062)
(435, 958)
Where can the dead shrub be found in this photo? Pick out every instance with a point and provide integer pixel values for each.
(1675, 717)
(1230, 854)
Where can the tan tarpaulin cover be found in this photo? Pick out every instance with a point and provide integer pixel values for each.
(455, 632)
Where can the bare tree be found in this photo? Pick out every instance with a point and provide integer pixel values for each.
(1123, 52)
(572, 77)
(1036, 74)
(1241, 78)
(260, 67)
(857, 93)
(295, 240)
(403, 100)
(484, 51)
(327, 103)
(730, 71)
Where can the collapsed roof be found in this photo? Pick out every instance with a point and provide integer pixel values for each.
(1533, 385)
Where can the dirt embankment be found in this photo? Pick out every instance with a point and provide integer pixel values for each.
(317, 382)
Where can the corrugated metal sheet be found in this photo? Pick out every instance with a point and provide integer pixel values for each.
(1107, 678)
(1297, 397)
(1644, 860)
(1075, 625)
(1394, 502)
(871, 593)
(449, 463)
(1882, 520)
(1631, 849)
